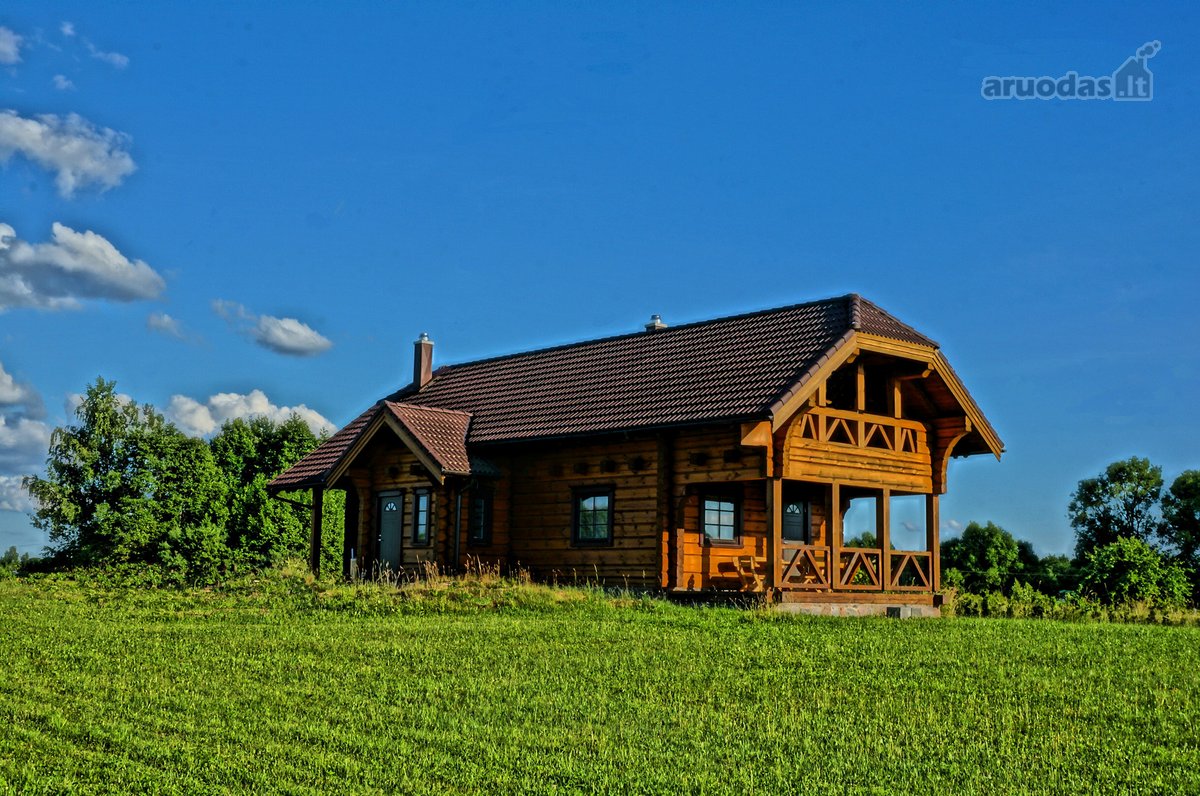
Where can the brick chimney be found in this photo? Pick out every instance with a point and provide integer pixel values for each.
(422, 360)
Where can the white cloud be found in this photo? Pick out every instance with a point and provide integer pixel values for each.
(77, 151)
(953, 525)
(13, 496)
(289, 336)
(114, 59)
(24, 440)
(73, 266)
(62, 83)
(164, 323)
(10, 47)
(281, 335)
(201, 419)
(23, 444)
(14, 393)
(67, 29)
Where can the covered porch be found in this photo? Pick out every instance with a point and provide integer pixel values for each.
(823, 564)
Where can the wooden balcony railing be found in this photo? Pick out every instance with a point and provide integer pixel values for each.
(862, 430)
(806, 566)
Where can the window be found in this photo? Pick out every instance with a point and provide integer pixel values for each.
(721, 518)
(593, 517)
(479, 521)
(420, 517)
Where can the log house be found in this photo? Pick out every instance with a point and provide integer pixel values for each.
(720, 456)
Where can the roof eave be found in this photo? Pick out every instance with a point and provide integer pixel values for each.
(792, 398)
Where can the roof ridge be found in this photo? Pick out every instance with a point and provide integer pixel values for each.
(854, 301)
(427, 408)
(669, 330)
(876, 308)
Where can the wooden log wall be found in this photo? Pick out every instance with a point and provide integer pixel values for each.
(659, 481)
(541, 508)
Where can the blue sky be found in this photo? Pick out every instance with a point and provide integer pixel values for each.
(281, 197)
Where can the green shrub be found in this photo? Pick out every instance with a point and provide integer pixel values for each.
(1130, 571)
(1027, 602)
(952, 578)
(995, 603)
(968, 604)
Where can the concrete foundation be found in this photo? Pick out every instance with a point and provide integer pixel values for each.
(859, 609)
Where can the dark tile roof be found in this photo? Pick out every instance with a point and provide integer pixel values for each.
(740, 367)
(316, 466)
(722, 369)
(441, 432)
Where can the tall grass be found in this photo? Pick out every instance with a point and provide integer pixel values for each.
(287, 684)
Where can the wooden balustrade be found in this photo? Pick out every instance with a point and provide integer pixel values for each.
(862, 430)
(806, 566)
(912, 570)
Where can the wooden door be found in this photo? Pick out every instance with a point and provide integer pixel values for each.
(797, 525)
(391, 529)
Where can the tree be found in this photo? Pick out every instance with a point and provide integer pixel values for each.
(1181, 528)
(263, 530)
(864, 539)
(1130, 570)
(987, 556)
(124, 486)
(1054, 574)
(14, 561)
(1120, 503)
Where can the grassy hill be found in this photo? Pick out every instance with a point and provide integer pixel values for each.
(285, 686)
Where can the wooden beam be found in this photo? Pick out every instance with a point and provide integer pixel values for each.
(933, 540)
(835, 534)
(366, 540)
(665, 508)
(895, 398)
(883, 535)
(314, 541)
(775, 530)
(860, 388)
(349, 529)
(945, 434)
(924, 374)
(756, 435)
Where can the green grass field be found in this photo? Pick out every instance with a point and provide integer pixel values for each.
(485, 687)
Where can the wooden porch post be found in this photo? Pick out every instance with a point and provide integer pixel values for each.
(775, 531)
(835, 535)
(883, 535)
(314, 552)
(349, 529)
(665, 494)
(366, 540)
(932, 535)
